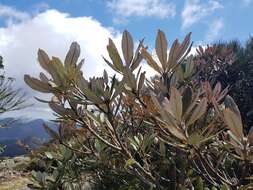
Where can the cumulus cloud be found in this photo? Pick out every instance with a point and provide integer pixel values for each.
(194, 11)
(52, 31)
(214, 30)
(148, 8)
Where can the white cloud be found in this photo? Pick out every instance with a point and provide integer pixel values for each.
(11, 14)
(214, 30)
(247, 2)
(52, 31)
(142, 8)
(194, 11)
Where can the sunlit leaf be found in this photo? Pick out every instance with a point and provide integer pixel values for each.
(233, 122)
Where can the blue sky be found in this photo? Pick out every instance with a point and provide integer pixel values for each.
(212, 19)
(26, 25)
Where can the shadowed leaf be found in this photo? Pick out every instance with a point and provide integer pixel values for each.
(127, 47)
(161, 48)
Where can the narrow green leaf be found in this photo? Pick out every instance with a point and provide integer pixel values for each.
(129, 162)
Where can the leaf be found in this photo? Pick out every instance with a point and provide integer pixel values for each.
(127, 47)
(184, 46)
(114, 55)
(161, 48)
(198, 111)
(199, 184)
(233, 122)
(93, 117)
(150, 61)
(49, 155)
(72, 55)
(176, 103)
(230, 103)
(224, 187)
(250, 135)
(172, 55)
(37, 84)
(129, 78)
(41, 100)
(108, 124)
(67, 153)
(137, 57)
(43, 59)
(43, 78)
(189, 66)
(110, 64)
(90, 95)
(80, 64)
(195, 139)
(217, 89)
(186, 99)
(175, 131)
(168, 121)
(57, 71)
(148, 140)
(129, 162)
(162, 148)
(141, 81)
(105, 76)
(57, 108)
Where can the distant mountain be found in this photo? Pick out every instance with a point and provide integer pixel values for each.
(25, 130)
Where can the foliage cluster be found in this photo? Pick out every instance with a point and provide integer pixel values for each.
(177, 130)
(11, 99)
(239, 77)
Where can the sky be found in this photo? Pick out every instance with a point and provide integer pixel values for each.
(26, 25)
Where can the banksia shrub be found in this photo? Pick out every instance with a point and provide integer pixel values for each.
(170, 131)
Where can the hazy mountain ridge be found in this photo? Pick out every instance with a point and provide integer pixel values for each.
(25, 130)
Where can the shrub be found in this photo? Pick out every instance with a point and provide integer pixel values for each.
(10, 99)
(238, 77)
(174, 131)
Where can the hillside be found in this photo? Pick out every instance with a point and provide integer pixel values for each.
(25, 130)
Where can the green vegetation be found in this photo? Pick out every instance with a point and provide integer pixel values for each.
(178, 130)
(10, 98)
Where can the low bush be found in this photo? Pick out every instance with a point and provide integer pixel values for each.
(178, 129)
